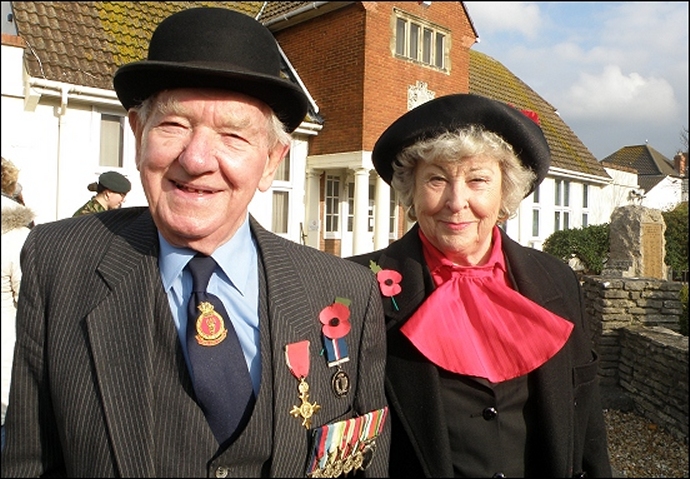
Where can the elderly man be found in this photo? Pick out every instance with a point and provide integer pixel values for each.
(183, 339)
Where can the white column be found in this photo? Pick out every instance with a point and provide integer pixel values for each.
(312, 226)
(361, 242)
(381, 213)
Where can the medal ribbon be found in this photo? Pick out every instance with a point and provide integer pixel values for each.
(297, 358)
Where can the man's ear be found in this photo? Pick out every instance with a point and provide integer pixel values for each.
(273, 161)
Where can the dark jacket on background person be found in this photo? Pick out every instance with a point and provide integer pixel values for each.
(566, 408)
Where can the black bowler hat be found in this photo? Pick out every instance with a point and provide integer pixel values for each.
(214, 48)
(448, 113)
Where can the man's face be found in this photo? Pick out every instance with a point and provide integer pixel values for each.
(202, 154)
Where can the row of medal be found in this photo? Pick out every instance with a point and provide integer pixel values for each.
(345, 446)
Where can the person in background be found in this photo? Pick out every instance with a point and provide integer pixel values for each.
(183, 339)
(16, 220)
(111, 189)
(490, 371)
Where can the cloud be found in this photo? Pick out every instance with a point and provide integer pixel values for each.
(612, 95)
(521, 17)
(616, 71)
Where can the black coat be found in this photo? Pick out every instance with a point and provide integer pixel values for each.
(571, 436)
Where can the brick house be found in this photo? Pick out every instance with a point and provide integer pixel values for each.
(362, 64)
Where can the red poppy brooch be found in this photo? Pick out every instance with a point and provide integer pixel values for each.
(389, 282)
(335, 319)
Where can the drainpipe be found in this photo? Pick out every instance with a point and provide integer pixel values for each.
(64, 98)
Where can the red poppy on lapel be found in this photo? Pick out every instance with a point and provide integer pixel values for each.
(389, 281)
(336, 320)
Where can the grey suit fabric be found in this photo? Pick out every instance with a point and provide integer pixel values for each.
(571, 436)
(100, 387)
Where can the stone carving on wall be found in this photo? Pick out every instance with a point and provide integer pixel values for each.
(418, 93)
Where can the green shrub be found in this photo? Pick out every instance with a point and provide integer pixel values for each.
(589, 244)
(676, 236)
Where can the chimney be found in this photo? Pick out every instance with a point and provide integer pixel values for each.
(680, 164)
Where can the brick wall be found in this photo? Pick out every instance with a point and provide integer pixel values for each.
(634, 330)
(346, 59)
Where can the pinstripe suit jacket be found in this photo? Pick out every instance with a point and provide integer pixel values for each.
(100, 387)
(571, 438)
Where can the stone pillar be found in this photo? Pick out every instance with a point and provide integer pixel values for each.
(361, 241)
(636, 243)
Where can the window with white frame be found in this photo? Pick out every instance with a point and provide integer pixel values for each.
(370, 212)
(332, 198)
(281, 188)
(585, 205)
(112, 138)
(281, 208)
(562, 204)
(535, 223)
(420, 41)
(393, 217)
(350, 206)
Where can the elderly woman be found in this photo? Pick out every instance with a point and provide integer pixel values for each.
(490, 372)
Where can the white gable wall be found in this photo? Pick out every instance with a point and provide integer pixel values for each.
(665, 195)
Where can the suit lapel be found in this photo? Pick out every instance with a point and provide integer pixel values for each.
(291, 317)
(126, 328)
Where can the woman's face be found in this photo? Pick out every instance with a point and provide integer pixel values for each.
(457, 205)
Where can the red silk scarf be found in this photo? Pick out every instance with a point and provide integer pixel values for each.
(475, 324)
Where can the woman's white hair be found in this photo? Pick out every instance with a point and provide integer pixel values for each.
(455, 146)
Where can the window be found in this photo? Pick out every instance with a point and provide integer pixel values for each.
(350, 207)
(332, 203)
(585, 205)
(535, 195)
(280, 212)
(112, 137)
(535, 223)
(283, 171)
(562, 202)
(372, 194)
(419, 41)
(393, 217)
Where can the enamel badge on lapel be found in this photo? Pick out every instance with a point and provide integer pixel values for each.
(297, 359)
(335, 319)
(210, 327)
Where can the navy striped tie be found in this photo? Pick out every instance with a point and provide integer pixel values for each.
(222, 383)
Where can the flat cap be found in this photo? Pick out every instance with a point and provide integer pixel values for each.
(114, 181)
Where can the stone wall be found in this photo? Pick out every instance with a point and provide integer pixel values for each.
(634, 330)
(653, 370)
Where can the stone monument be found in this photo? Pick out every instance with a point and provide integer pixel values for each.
(637, 245)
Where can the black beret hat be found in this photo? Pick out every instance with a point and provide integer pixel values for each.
(213, 48)
(114, 181)
(451, 112)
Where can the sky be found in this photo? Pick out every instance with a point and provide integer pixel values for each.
(617, 72)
